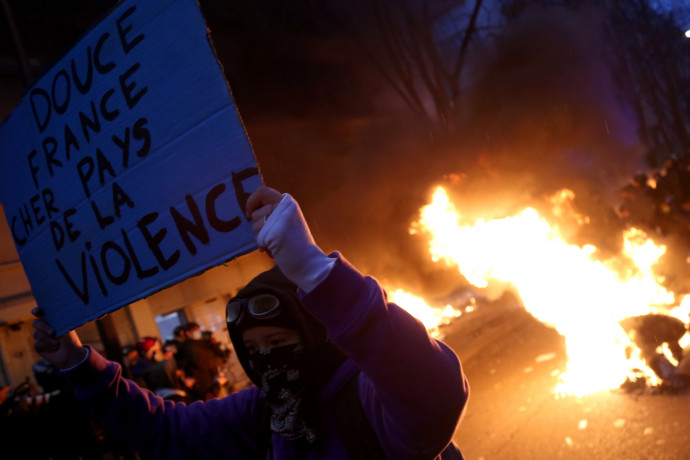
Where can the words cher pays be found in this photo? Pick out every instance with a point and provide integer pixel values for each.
(126, 168)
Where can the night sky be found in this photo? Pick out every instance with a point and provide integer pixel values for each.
(266, 48)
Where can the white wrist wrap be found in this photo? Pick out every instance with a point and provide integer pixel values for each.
(287, 237)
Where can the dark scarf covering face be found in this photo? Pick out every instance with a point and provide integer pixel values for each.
(289, 376)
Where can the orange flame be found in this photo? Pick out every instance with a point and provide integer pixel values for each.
(560, 284)
(432, 318)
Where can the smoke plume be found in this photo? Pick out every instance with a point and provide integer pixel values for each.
(541, 114)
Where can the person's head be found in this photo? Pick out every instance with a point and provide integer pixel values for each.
(169, 349)
(283, 349)
(208, 336)
(178, 333)
(130, 353)
(192, 331)
(150, 348)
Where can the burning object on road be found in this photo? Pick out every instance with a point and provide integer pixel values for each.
(582, 292)
(658, 338)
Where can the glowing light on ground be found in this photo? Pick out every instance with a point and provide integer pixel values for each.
(560, 284)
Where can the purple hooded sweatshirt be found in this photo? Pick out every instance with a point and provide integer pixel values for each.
(411, 386)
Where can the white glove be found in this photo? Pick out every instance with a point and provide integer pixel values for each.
(286, 236)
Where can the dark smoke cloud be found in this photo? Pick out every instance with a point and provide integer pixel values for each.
(542, 115)
(545, 111)
(360, 188)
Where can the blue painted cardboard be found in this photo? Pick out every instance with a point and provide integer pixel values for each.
(125, 168)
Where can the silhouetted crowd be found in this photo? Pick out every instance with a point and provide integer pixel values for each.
(49, 423)
(192, 366)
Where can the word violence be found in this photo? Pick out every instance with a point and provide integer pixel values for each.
(114, 262)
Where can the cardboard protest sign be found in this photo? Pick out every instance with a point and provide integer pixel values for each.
(126, 168)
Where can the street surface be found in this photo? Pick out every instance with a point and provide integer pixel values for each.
(513, 413)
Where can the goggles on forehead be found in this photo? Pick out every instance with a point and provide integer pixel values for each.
(260, 306)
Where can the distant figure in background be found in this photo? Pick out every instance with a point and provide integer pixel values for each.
(131, 356)
(151, 349)
(164, 377)
(150, 352)
(139, 358)
(201, 363)
(192, 331)
(216, 347)
(179, 336)
(225, 378)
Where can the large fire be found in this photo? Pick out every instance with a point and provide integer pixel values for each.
(561, 284)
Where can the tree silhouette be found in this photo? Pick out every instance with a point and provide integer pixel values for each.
(420, 48)
(653, 65)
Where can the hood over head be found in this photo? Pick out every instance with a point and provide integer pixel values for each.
(322, 356)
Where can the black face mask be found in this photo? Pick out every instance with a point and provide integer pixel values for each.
(281, 376)
(279, 370)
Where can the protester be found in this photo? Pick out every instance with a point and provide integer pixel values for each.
(140, 357)
(135, 365)
(216, 347)
(179, 335)
(165, 379)
(200, 362)
(340, 372)
(151, 349)
(192, 331)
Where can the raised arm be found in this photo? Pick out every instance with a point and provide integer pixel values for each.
(282, 232)
(413, 388)
(154, 427)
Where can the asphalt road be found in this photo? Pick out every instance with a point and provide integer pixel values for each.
(514, 414)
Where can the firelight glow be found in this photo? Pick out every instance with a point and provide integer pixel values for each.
(431, 317)
(560, 284)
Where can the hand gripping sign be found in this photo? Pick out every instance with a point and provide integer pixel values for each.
(126, 167)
